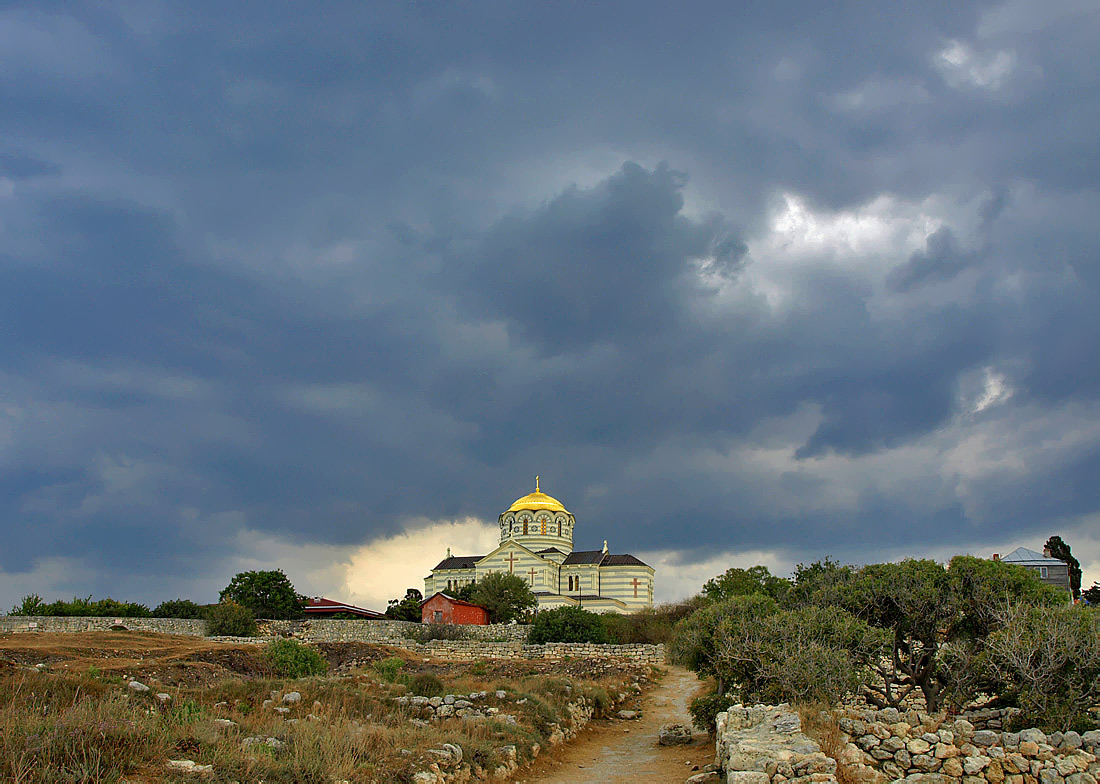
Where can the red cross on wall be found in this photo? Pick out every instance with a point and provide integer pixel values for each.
(511, 562)
(532, 573)
(635, 581)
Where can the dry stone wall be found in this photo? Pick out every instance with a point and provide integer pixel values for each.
(885, 743)
(496, 641)
(17, 623)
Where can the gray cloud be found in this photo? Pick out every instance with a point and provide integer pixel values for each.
(738, 280)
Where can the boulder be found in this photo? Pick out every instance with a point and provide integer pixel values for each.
(675, 735)
(291, 697)
(140, 688)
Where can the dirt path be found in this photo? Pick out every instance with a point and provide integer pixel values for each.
(611, 750)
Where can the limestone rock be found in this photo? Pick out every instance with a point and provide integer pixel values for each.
(291, 697)
(628, 715)
(674, 735)
(138, 687)
(189, 766)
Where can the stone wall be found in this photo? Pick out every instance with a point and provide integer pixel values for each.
(764, 743)
(384, 632)
(16, 623)
(884, 743)
(496, 641)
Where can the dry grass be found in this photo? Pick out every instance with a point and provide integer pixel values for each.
(59, 725)
(820, 723)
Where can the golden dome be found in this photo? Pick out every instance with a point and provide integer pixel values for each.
(538, 501)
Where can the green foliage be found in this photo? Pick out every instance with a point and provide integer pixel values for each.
(1048, 658)
(567, 624)
(427, 685)
(651, 625)
(267, 594)
(1061, 551)
(507, 597)
(178, 608)
(102, 608)
(743, 582)
(291, 659)
(30, 605)
(704, 710)
(818, 583)
(229, 619)
(388, 669)
(697, 639)
(184, 712)
(1092, 595)
(407, 609)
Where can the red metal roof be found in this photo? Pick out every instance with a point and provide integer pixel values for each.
(320, 604)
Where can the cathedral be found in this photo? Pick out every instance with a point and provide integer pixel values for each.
(536, 543)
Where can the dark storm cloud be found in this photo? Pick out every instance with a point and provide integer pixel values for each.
(318, 274)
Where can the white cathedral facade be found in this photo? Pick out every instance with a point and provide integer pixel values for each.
(536, 543)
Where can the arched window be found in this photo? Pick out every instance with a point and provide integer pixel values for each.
(525, 528)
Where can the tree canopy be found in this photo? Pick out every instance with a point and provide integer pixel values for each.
(266, 594)
(1061, 551)
(507, 597)
(407, 608)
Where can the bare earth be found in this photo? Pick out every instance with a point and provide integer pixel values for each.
(611, 750)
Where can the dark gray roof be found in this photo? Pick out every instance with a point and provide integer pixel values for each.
(601, 558)
(584, 557)
(459, 562)
(549, 550)
(622, 560)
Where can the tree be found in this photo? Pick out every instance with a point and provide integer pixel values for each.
(406, 609)
(1060, 550)
(266, 594)
(818, 583)
(695, 644)
(507, 597)
(742, 582)
(1092, 595)
(567, 624)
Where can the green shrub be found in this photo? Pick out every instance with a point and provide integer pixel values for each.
(81, 607)
(427, 685)
(567, 624)
(1048, 658)
(178, 608)
(704, 710)
(291, 659)
(230, 619)
(388, 669)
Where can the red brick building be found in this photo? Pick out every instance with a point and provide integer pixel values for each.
(441, 608)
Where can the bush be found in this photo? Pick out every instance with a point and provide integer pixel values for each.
(388, 669)
(178, 608)
(427, 685)
(1048, 658)
(567, 624)
(291, 659)
(78, 607)
(704, 710)
(229, 619)
(652, 626)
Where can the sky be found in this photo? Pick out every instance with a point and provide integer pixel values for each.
(322, 287)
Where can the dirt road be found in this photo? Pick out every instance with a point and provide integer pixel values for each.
(627, 751)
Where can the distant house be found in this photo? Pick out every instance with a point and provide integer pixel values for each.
(1051, 571)
(320, 607)
(441, 608)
